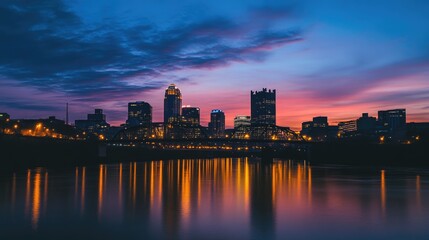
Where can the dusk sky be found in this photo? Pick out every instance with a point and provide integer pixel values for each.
(332, 58)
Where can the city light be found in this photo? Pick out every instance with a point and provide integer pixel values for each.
(183, 122)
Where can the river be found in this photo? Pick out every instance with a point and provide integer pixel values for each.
(220, 198)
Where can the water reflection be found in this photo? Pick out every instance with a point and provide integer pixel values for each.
(383, 191)
(35, 197)
(222, 198)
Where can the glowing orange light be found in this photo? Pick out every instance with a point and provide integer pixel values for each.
(35, 212)
(383, 191)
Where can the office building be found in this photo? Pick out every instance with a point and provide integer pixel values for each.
(393, 122)
(95, 122)
(241, 120)
(392, 119)
(317, 130)
(366, 125)
(191, 115)
(139, 113)
(172, 104)
(347, 128)
(263, 107)
(320, 122)
(241, 127)
(217, 123)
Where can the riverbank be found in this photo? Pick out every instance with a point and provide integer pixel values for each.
(33, 152)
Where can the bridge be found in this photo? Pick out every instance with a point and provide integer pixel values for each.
(198, 132)
(210, 147)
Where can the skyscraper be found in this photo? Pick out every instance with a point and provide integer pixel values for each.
(217, 123)
(191, 115)
(263, 107)
(139, 113)
(172, 104)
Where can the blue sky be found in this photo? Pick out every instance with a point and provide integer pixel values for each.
(335, 58)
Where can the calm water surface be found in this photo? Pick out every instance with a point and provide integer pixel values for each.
(214, 199)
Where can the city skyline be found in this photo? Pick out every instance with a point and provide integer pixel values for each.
(214, 119)
(263, 107)
(322, 60)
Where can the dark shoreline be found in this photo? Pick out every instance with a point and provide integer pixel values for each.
(19, 151)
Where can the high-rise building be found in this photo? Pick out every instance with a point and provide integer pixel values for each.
(139, 113)
(240, 121)
(217, 123)
(392, 119)
(393, 122)
(172, 104)
(191, 115)
(263, 107)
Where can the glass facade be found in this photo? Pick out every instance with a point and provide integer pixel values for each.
(172, 104)
(139, 113)
(217, 123)
(191, 115)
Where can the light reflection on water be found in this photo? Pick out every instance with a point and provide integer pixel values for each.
(214, 198)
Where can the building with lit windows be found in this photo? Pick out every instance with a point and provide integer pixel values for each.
(191, 115)
(217, 123)
(139, 113)
(95, 122)
(241, 127)
(263, 107)
(241, 120)
(393, 122)
(347, 128)
(318, 129)
(172, 104)
(392, 119)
